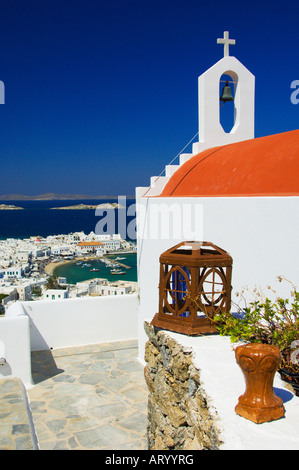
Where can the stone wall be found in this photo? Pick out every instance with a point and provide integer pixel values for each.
(179, 415)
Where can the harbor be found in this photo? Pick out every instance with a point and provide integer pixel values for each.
(108, 267)
(81, 261)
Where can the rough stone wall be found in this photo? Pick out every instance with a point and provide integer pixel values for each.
(179, 415)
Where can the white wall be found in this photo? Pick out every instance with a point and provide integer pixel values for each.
(75, 322)
(15, 347)
(260, 233)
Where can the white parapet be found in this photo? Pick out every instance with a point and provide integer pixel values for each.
(76, 322)
(15, 345)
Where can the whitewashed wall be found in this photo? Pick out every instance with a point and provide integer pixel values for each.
(260, 233)
(75, 322)
(15, 348)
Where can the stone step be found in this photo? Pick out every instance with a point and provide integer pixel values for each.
(17, 430)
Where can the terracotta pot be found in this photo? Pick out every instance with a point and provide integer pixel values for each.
(259, 362)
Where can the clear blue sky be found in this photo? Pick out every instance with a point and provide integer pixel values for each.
(101, 95)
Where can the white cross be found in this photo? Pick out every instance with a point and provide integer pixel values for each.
(226, 41)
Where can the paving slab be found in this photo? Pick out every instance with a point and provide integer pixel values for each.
(89, 398)
(16, 427)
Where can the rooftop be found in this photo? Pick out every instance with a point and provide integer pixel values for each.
(265, 166)
(85, 398)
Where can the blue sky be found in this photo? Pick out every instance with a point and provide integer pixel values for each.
(101, 95)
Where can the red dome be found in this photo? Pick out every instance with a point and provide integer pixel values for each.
(266, 166)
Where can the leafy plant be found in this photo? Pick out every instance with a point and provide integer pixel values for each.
(52, 283)
(265, 321)
(36, 290)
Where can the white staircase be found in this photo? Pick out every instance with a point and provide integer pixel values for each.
(158, 183)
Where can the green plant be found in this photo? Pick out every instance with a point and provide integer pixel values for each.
(36, 290)
(266, 321)
(52, 282)
(2, 296)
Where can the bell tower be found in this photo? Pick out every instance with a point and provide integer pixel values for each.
(242, 84)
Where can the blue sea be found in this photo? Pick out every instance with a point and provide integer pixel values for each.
(37, 218)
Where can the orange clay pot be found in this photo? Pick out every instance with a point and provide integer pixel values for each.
(259, 362)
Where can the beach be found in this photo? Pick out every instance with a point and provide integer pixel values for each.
(50, 268)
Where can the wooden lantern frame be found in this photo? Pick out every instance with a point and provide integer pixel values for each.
(195, 285)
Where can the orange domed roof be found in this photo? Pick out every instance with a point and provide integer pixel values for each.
(266, 166)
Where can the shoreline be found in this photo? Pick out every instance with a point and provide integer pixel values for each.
(50, 268)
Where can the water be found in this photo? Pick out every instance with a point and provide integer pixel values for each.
(37, 218)
(76, 273)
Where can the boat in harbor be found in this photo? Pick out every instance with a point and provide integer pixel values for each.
(94, 269)
(117, 271)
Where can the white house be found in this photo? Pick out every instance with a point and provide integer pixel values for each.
(56, 294)
(14, 272)
(24, 255)
(89, 247)
(61, 250)
(89, 287)
(112, 244)
(117, 288)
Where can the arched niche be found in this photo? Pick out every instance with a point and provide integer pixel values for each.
(228, 109)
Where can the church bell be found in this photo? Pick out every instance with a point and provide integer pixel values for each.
(226, 93)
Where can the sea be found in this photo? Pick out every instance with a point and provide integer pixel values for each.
(38, 219)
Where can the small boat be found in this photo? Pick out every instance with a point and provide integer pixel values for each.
(118, 272)
(94, 269)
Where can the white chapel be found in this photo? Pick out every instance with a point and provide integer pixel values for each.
(234, 190)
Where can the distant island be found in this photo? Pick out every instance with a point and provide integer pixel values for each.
(107, 205)
(9, 207)
(54, 196)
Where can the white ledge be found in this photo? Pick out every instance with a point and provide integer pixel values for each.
(223, 382)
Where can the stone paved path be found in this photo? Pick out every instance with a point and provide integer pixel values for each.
(16, 432)
(91, 397)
